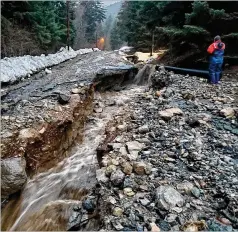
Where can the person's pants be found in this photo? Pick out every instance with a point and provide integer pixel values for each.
(215, 71)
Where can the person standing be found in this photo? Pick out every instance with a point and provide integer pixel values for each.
(216, 51)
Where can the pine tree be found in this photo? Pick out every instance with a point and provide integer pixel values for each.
(94, 14)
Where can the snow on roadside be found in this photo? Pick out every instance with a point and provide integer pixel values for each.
(15, 68)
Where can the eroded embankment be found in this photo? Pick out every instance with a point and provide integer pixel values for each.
(42, 117)
(43, 124)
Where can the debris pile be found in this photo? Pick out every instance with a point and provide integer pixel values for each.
(174, 165)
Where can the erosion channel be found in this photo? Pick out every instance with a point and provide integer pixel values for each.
(91, 150)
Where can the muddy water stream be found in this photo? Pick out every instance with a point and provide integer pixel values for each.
(47, 198)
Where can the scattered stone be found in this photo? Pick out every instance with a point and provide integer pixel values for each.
(158, 93)
(154, 227)
(143, 129)
(168, 197)
(127, 168)
(123, 151)
(117, 225)
(169, 113)
(101, 175)
(75, 91)
(112, 200)
(227, 112)
(171, 217)
(89, 205)
(129, 192)
(196, 192)
(28, 133)
(145, 201)
(98, 110)
(133, 148)
(122, 127)
(185, 187)
(194, 226)
(117, 211)
(63, 98)
(141, 168)
(224, 221)
(188, 96)
(214, 225)
(117, 177)
(110, 169)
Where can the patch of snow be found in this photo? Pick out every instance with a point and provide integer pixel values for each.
(15, 68)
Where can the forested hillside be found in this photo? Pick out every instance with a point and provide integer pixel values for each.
(186, 28)
(34, 27)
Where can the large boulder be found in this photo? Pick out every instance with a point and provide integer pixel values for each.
(13, 175)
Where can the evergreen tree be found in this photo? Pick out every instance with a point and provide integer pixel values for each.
(94, 14)
(115, 37)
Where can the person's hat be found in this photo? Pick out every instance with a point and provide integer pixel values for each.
(218, 37)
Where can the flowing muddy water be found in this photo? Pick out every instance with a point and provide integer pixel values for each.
(47, 199)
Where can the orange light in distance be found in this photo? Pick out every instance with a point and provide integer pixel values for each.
(101, 43)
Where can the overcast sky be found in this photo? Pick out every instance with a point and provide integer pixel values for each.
(109, 2)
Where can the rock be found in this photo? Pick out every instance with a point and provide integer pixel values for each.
(164, 226)
(117, 177)
(196, 192)
(213, 225)
(101, 176)
(89, 205)
(117, 225)
(110, 169)
(112, 200)
(143, 129)
(127, 182)
(227, 112)
(185, 187)
(224, 220)
(167, 197)
(116, 146)
(188, 96)
(144, 201)
(74, 219)
(154, 227)
(171, 217)
(141, 168)
(133, 148)
(75, 91)
(169, 113)
(117, 211)
(122, 127)
(168, 93)
(123, 151)
(157, 93)
(28, 133)
(128, 191)
(127, 168)
(63, 98)
(13, 175)
(194, 226)
(115, 162)
(98, 110)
